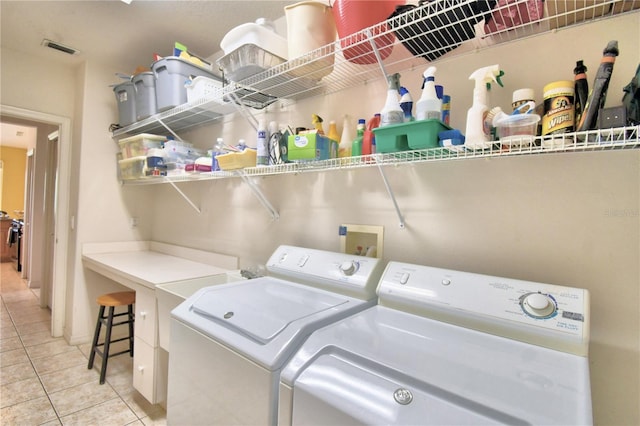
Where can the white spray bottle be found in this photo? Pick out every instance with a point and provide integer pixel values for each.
(392, 113)
(475, 136)
(429, 105)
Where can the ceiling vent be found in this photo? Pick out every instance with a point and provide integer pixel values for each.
(57, 46)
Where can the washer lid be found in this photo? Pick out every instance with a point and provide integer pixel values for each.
(261, 312)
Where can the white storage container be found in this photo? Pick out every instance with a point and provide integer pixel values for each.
(204, 87)
(261, 33)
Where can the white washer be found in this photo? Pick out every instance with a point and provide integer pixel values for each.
(230, 342)
(445, 347)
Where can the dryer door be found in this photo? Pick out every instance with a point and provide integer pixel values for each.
(345, 389)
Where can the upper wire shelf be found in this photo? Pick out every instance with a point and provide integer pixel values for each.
(593, 140)
(437, 29)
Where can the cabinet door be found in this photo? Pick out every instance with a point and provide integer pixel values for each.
(150, 367)
(146, 326)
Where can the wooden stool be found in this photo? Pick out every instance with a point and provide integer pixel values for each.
(112, 300)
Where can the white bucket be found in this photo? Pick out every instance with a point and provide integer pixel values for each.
(310, 26)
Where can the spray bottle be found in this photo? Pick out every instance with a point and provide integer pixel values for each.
(429, 105)
(391, 113)
(406, 103)
(476, 136)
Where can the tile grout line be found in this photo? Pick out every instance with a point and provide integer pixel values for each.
(31, 362)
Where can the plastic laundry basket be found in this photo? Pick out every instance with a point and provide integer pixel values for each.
(353, 16)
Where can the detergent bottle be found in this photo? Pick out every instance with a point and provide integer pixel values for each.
(429, 105)
(356, 145)
(477, 136)
(391, 113)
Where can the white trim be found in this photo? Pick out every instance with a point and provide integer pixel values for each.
(62, 209)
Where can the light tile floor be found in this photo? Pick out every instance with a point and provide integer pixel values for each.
(45, 381)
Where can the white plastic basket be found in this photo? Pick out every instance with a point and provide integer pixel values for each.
(204, 87)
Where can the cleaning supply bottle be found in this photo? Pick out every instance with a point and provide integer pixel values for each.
(406, 103)
(262, 145)
(317, 123)
(391, 113)
(356, 145)
(334, 139)
(344, 149)
(368, 141)
(429, 106)
(581, 90)
(477, 136)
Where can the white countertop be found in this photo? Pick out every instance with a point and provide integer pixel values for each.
(149, 264)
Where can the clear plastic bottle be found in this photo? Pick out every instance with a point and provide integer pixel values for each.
(344, 149)
(262, 145)
(356, 145)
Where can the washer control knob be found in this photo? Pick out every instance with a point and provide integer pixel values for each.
(538, 305)
(349, 268)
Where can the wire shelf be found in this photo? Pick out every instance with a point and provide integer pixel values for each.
(408, 40)
(595, 140)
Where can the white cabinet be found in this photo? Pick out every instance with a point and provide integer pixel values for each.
(149, 371)
(150, 367)
(146, 316)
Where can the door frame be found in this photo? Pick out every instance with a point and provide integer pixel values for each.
(61, 209)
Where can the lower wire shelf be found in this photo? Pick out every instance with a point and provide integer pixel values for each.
(593, 140)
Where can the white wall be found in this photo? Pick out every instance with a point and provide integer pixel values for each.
(569, 219)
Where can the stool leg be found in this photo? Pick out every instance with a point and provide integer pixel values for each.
(107, 342)
(131, 319)
(92, 356)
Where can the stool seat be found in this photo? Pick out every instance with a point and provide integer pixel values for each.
(122, 298)
(112, 301)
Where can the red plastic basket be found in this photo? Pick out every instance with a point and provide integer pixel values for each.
(352, 16)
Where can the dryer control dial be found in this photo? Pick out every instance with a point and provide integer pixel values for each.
(538, 305)
(349, 268)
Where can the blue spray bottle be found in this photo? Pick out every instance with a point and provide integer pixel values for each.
(406, 103)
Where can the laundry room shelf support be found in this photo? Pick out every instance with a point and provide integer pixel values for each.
(187, 199)
(393, 198)
(260, 196)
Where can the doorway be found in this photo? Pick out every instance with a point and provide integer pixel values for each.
(59, 212)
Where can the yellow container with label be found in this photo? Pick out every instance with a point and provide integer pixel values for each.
(559, 108)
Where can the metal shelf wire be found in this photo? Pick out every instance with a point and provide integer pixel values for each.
(434, 29)
(595, 140)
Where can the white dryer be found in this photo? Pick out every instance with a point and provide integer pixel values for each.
(445, 347)
(230, 342)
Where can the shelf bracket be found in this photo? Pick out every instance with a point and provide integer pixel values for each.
(260, 196)
(376, 52)
(393, 198)
(188, 200)
(243, 110)
(169, 130)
